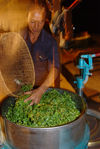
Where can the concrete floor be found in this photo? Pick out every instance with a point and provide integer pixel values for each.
(64, 84)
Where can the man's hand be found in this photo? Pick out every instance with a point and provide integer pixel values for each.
(35, 96)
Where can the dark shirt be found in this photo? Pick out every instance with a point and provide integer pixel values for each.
(44, 52)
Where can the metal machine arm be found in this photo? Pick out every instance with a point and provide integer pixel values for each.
(85, 65)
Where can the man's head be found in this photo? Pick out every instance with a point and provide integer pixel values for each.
(36, 17)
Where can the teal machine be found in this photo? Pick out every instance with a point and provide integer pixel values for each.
(85, 65)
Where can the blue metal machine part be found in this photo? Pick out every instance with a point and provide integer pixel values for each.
(85, 67)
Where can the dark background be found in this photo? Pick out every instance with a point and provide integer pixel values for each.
(86, 16)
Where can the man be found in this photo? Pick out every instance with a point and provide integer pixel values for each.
(43, 49)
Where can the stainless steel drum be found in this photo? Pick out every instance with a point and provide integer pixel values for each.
(67, 136)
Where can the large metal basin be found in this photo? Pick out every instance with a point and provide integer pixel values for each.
(67, 136)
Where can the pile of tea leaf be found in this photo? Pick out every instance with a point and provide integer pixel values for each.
(54, 109)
